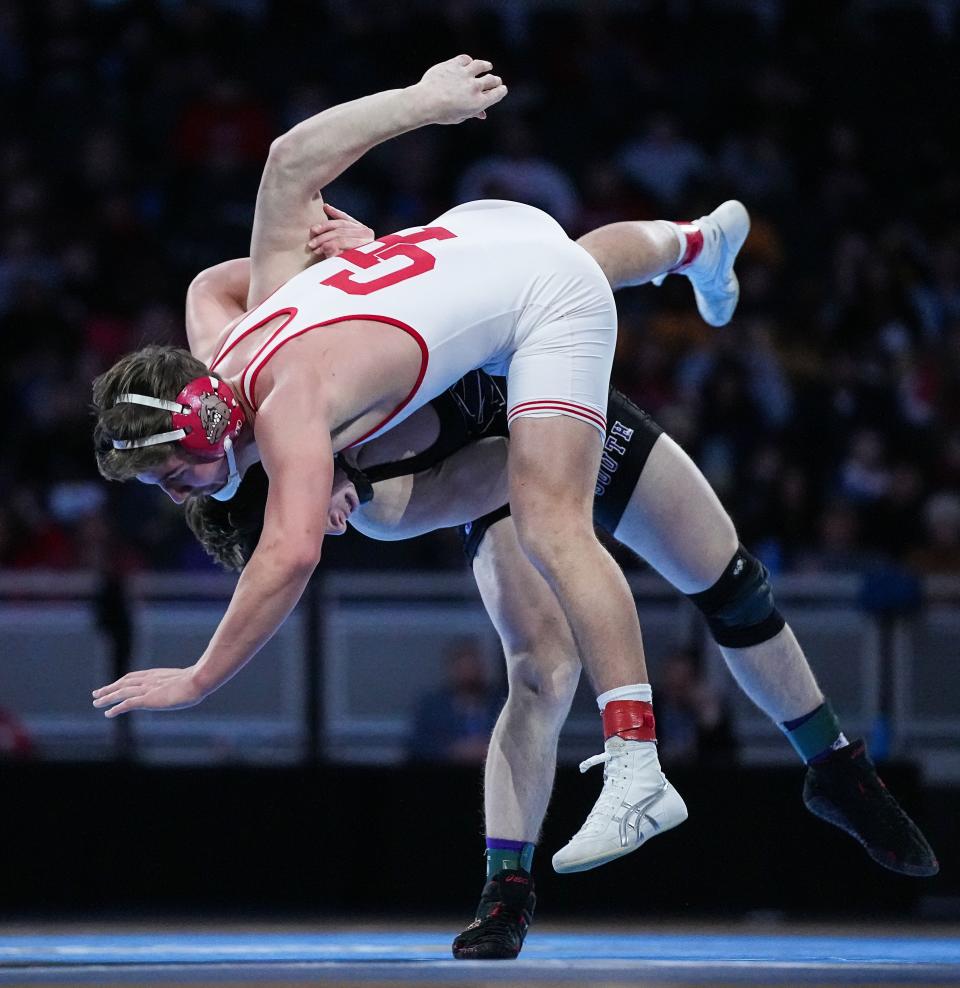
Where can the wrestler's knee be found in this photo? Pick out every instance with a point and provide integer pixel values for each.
(597, 244)
(740, 608)
(543, 682)
(553, 536)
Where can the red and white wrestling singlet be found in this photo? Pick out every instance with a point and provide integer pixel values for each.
(489, 284)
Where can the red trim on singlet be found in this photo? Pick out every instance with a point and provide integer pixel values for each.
(591, 415)
(424, 360)
(290, 312)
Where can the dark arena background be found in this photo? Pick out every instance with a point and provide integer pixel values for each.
(317, 820)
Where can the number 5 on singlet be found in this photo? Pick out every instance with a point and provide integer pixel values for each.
(394, 245)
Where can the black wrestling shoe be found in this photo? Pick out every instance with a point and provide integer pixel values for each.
(503, 917)
(846, 791)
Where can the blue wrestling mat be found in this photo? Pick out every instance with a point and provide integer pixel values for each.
(548, 958)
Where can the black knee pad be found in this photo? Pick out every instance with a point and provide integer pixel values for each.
(739, 607)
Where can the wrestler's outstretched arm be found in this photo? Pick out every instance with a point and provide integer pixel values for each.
(296, 451)
(313, 153)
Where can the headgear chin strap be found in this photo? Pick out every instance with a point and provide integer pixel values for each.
(206, 419)
(232, 485)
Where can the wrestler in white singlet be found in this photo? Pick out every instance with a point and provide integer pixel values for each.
(489, 284)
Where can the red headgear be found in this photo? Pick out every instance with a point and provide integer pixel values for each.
(205, 415)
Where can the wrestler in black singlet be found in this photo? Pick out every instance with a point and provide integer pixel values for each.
(472, 409)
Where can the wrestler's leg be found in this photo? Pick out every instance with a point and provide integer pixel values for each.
(553, 463)
(543, 669)
(633, 253)
(550, 461)
(704, 251)
(675, 521)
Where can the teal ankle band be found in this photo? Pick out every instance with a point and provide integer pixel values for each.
(503, 859)
(816, 734)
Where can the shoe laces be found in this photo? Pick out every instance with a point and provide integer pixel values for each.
(588, 763)
(615, 781)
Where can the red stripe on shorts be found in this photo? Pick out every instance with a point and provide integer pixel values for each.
(584, 412)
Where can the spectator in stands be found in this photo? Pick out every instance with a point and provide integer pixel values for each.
(453, 723)
(663, 162)
(839, 546)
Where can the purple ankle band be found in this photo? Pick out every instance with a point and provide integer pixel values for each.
(499, 844)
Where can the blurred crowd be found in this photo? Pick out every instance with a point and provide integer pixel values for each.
(827, 416)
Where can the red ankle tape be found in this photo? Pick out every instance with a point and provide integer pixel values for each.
(694, 244)
(630, 719)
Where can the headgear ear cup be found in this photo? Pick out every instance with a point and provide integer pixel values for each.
(214, 416)
(205, 414)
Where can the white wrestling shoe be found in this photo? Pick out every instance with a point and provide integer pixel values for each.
(636, 803)
(715, 285)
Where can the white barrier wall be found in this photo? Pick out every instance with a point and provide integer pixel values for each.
(52, 655)
(380, 641)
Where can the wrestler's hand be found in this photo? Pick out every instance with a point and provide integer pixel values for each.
(339, 232)
(458, 89)
(150, 689)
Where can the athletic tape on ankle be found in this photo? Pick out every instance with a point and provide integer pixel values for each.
(630, 719)
(691, 245)
(816, 734)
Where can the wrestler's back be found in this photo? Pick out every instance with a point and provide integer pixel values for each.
(364, 370)
(395, 322)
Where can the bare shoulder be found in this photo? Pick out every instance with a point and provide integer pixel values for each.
(207, 347)
(291, 389)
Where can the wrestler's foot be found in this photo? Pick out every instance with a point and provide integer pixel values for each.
(846, 791)
(715, 285)
(636, 803)
(503, 917)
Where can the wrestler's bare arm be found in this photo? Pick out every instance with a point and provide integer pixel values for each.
(315, 152)
(463, 487)
(218, 295)
(295, 450)
(294, 445)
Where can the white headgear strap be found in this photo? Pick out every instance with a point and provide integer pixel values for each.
(233, 474)
(160, 437)
(129, 398)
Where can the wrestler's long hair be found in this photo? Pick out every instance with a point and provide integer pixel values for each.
(230, 530)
